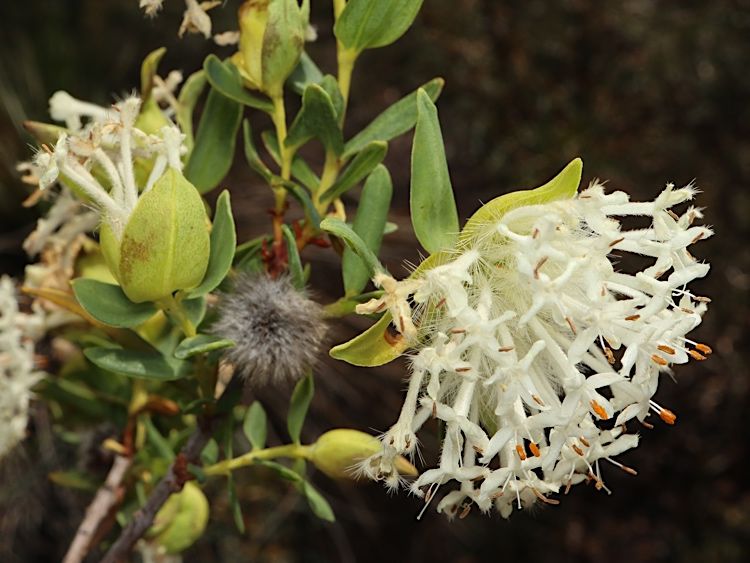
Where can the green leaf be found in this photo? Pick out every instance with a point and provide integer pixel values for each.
(159, 442)
(195, 310)
(213, 152)
(393, 121)
(223, 244)
(367, 24)
(563, 186)
(433, 207)
(137, 363)
(318, 503)
(316, 118)
(372, 155)
(380, 344)
(148, 71)
(298, 405)
(74, 480)
(340, 229)
(210, 452)
(200, 344)
(108, 304)
(300, 169)
(44, 133)
(255, 426)
(251, 153)
(189, 94)
(331, 86)
(369, 224)
(303, 197)
(225, 78)
(306, 73)
(295, 264)
(234, 503)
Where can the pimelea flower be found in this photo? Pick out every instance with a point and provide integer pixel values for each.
(535, 350)
(18, 373)
(277, 329)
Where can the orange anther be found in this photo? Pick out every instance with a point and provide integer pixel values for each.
(659, 360)
(535, 450)
(668, 416)
(668, 349)
(627, 469)
(462, 370)
(632, 318)
(578, 450)
(703, 348)
(616, 242)
(520, 451)
(599, 410)
(584, 441)
(505, 348)
(538, 400)
(610, 355)
(571, 325)
(696, 355)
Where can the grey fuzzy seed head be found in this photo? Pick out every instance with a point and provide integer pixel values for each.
(278, 330)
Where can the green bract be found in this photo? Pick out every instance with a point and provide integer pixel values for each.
(272, 36)
(165, 244)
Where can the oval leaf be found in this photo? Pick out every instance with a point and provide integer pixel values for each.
(300, 169)
(372, 155)
(225, 78)
(108, 304)
(136, 363)
(189, 94)
(393, 121)
(367, 24)
(148, 71)
(305, 73)
(223, 245)
(255, 426)
(433, 207)
(298, 405)
(213, 152)
(251, 153)
(340, 229)
(369, 224)
(200, 344)
(317, 118)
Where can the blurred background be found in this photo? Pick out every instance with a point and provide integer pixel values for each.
(644, 91)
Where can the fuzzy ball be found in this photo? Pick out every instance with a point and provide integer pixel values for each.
(277, 329)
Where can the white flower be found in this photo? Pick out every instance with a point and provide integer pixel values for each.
(534, 350)
(110, 143)
(150, 7)
(195, 19)
(17, 371)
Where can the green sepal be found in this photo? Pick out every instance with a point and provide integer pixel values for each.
(223, 243)
(108, 304)
(361, 165)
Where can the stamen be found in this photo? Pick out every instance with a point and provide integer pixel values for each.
(538, 266)
(659, 360)
(535, 449)
(703, 348)
(577, 450)
(599, 410)
(520, 451)
(696, 355)
(632, 318)
(505, 348)
(544, 499)
(668, 349)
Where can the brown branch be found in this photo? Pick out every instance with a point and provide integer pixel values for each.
(172, 483)
(107, 497)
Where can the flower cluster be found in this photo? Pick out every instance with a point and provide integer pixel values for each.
(535, 351)
(105, 161)
(18, 373)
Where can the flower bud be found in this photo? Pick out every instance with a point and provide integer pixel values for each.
(182, 519)
(164, 246)
(272, 36)
(338, 452)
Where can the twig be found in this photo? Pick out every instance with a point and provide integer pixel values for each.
(106, 498)
(172, 483)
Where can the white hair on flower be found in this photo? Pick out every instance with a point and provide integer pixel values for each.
(98, 161)
(535, 351)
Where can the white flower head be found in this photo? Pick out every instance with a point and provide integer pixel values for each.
(18, 373)
(535, 349)
(109, 145)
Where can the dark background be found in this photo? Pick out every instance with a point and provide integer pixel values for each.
(644, 91)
